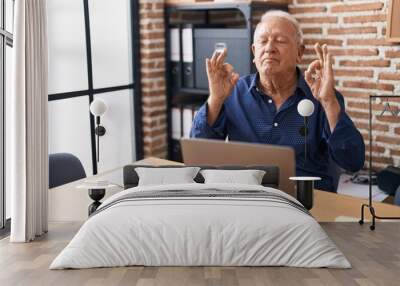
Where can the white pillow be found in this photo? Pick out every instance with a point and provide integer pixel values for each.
(249, 177)
(162, 176)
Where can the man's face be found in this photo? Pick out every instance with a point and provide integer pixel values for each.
(275, 47)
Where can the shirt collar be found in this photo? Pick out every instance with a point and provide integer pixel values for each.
(301, 83)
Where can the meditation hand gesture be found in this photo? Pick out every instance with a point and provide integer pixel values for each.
(221, 77)
(319, 76)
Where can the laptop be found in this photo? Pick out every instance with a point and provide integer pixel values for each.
(218, 152)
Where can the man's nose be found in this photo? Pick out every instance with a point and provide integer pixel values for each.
(270, 46)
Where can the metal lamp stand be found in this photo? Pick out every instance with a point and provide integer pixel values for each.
(370, 205)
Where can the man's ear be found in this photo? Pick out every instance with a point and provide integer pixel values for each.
(300, 53)
(253, 49)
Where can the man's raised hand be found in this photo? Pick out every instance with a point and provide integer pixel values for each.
(319, 75)
(221, 76)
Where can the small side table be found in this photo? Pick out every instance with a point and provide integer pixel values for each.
(96, 192)
(305, 190)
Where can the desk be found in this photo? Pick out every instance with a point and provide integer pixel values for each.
(66, 203)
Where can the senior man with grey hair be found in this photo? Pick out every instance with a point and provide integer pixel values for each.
(262, 107)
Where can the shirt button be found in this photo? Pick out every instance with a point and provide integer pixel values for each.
(275, 124)
(270, 101)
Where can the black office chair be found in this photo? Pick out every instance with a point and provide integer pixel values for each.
(64, 168)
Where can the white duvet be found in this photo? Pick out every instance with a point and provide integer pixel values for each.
(200, 231)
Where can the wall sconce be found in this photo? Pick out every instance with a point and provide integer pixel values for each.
(98, 107)
(305, 109)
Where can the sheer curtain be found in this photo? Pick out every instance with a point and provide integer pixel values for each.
(26, 119)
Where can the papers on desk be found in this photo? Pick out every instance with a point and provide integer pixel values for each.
(347, 187)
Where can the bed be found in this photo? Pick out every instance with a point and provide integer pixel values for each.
(201, 224)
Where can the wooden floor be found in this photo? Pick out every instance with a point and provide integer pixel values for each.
(375, 257)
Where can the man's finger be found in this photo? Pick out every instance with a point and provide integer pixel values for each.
(209, 68)
(228, 67)
(314, 66)
(309, 79)
(208, 65)
(234, 78)
(221, 57)
(213, 60)
(319, 52)
(329, 63)
(324, 53)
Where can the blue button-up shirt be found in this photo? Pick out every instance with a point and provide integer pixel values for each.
(251, 116)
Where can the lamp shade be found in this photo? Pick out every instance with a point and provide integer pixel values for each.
(98, 107)
(305, 107)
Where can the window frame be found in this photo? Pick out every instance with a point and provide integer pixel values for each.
(135, 85)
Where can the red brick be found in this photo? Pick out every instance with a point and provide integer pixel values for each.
(149, 55)
(157, 103)
(365, 19)
(153, 65)
(355, 73)
(152, 45)
(357, 114)
(394, 152)
(387, 139)
(353, 30)
(302, 10)
(392, 54)
(318, 20)
(151, 15)
(354, 52)
(375, 127)
(312, 30)
(153, 112)
(369, 85)
(356, 7)
(360, 63)
(365, 105)
(354, 94)
(153, 74)
(158, 92)
(388, 118)
(389, 76)
(152, 36)
(375, 149)
(369, 42)
(331, 42)
(151, 26)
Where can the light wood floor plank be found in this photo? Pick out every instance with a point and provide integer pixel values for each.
(375, 257)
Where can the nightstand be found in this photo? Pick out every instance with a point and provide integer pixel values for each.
(96, 191)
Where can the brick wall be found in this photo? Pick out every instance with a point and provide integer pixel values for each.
(152, 44)
(365, 63)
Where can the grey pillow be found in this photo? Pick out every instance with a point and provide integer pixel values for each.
(248, 177)
(162, 176)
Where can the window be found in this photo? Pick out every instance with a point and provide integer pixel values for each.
(6, 44)
(92, 47)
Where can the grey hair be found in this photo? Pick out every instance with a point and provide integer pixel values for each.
(285, 15)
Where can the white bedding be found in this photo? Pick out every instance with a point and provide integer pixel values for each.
(200, 231)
